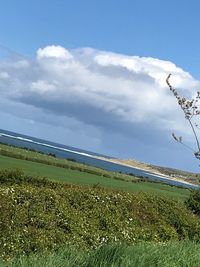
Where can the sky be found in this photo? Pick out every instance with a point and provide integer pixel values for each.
(91, 74)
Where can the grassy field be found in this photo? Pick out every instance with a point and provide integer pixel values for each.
(183, 254)
(33, 156)
(80, 177)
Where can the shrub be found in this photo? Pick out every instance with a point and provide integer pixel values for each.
(17, 177)
(37, 216)
(193, 202)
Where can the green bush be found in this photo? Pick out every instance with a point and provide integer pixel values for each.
(38, 215)
(193, 202)
(17, 176)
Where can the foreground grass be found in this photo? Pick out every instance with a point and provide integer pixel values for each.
(183, 254)
(67, 175)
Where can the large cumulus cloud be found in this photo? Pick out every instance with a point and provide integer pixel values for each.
(113, 93)
(95, 86)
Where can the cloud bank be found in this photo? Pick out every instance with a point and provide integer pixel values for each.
(104, 91)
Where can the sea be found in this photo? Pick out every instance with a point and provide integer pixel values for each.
(82, 156)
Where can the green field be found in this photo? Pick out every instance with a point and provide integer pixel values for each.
(33, 156)
(80, 177)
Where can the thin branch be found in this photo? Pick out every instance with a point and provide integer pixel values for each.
(194, 132)
(189, 108)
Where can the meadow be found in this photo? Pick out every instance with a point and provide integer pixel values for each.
(67, 171)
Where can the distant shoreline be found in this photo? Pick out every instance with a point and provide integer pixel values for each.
(147, 170)
(133, 164)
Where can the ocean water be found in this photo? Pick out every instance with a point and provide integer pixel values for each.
(83, 156)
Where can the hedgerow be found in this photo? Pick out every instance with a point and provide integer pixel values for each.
(37, 216)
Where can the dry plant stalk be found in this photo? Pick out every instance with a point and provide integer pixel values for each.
(191, 110)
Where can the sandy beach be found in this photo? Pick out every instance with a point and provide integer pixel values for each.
(143, 167)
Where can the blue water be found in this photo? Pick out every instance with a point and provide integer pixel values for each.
(83, 156)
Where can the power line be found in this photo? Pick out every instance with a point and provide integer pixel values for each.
(14, 52)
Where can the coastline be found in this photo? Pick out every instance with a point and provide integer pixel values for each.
(134, 164)
(146, 169)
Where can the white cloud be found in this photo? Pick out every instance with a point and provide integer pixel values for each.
(57, 52)
(41, 86)
(4, 75)
(99, 88)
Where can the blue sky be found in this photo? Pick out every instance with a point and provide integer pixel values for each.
(51, 31)
(165, 30)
